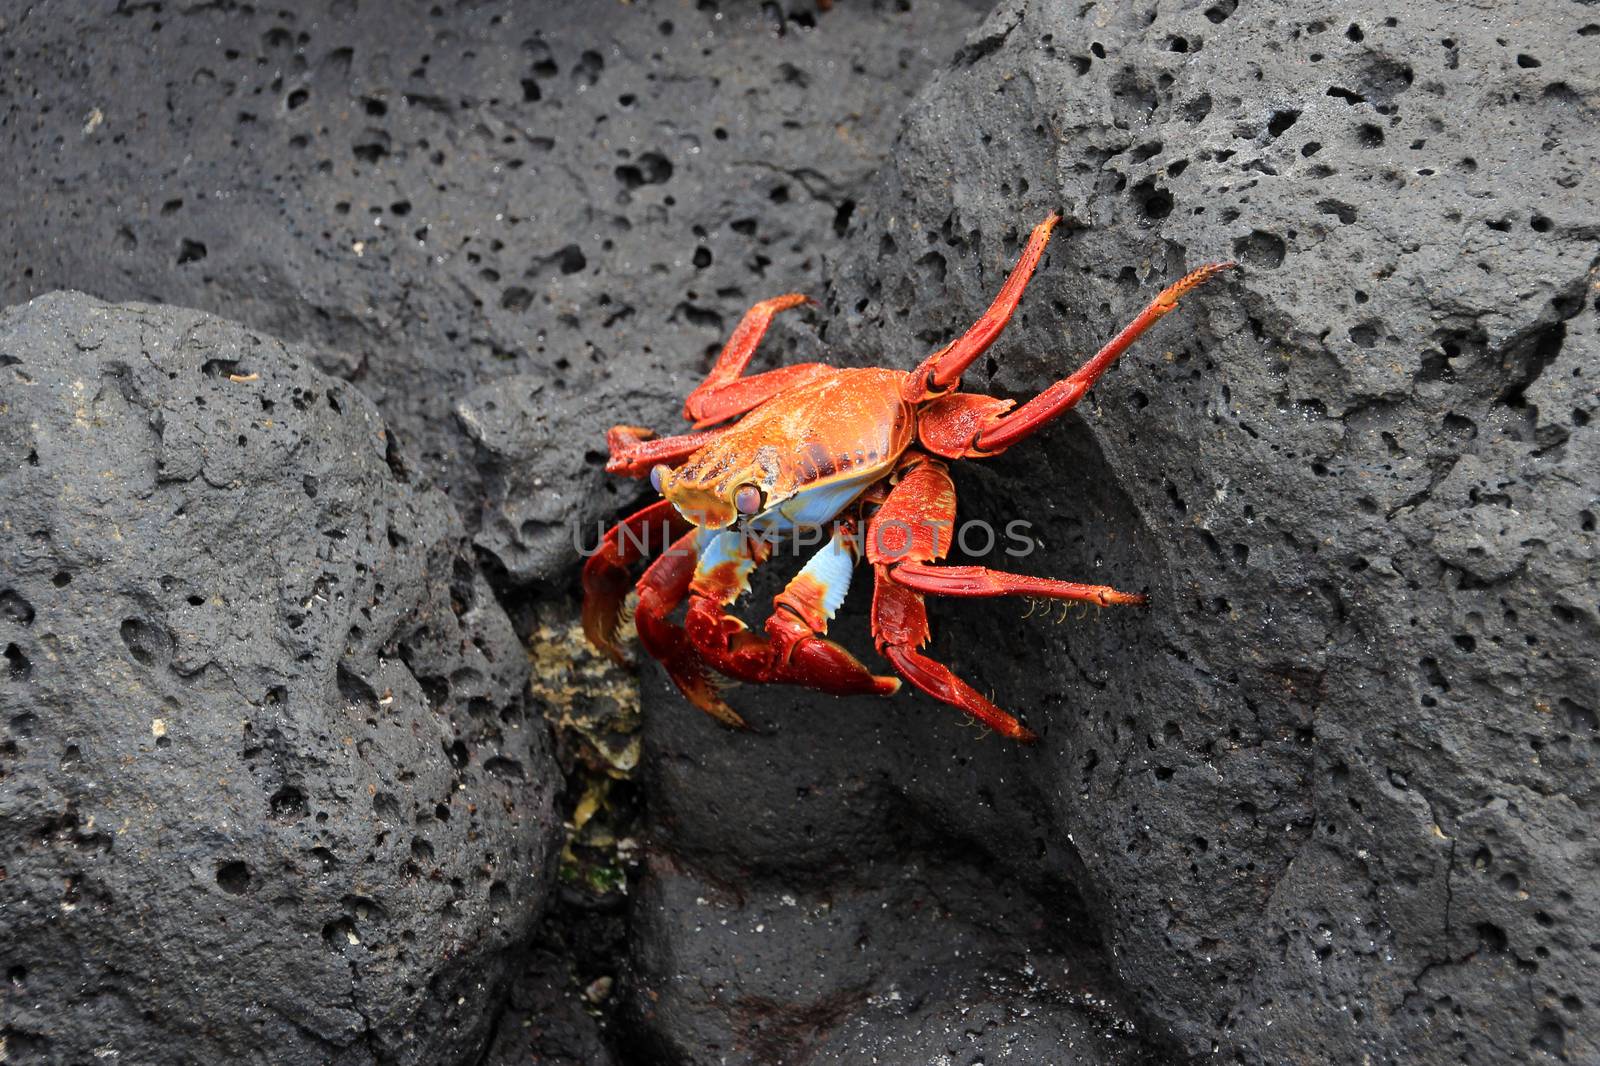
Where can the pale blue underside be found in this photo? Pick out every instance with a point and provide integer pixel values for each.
(718, 546)
(814, 507)
(832, 568)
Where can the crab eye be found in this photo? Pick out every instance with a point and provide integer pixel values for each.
(656, 474)
(747, 499)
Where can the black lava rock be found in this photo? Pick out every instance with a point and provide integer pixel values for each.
(1311, 798)
(1321, 799)
(895, 962)
(435, 197)
(268, 778)
(546, 494)
(1326, 800)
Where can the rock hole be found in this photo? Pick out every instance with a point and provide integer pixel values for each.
(1261, 249)
(1551, 1036)
(1341, 210)
(340, 934)
(386, 807)
(1153, 202)
(18, 665)
(371, 151)
(288, 804)
(1579, 717)
(1281, 121)
(841, 217)
(149, 643)
(502, 767)
(651, 168)
(1148, 150)
(586, 72)
(1197, 109)
(233, 878)
(14, 607)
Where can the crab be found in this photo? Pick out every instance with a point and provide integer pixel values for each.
(855, 455)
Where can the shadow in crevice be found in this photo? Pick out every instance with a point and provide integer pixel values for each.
(1054, 662)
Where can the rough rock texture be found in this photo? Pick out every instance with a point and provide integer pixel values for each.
(546, 1020)
(898, 962)
(1328, 799)
(542, 464)
(436, 196)
(269, 785)
(511, 226)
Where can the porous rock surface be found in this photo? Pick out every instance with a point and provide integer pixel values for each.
(270, 788)
(437, 196)
(1327, 799)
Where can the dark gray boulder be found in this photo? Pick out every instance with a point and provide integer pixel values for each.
(546, 494)
(269, 785)
(1324, 800)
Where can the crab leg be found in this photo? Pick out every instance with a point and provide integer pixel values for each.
(943, 369)
(606, 581)
(794, 650)
(725, 393)
(965, 425)
(746, 394)
(982, 581)
(635, 451)
(908, 529)
(661, 590)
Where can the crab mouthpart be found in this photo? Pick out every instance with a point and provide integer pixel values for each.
(702, 508)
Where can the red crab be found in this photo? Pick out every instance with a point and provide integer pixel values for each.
(838, 452)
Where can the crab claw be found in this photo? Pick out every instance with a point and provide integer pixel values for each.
(606, 580)
(662, 588)
(805, 658)
(792, 652)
